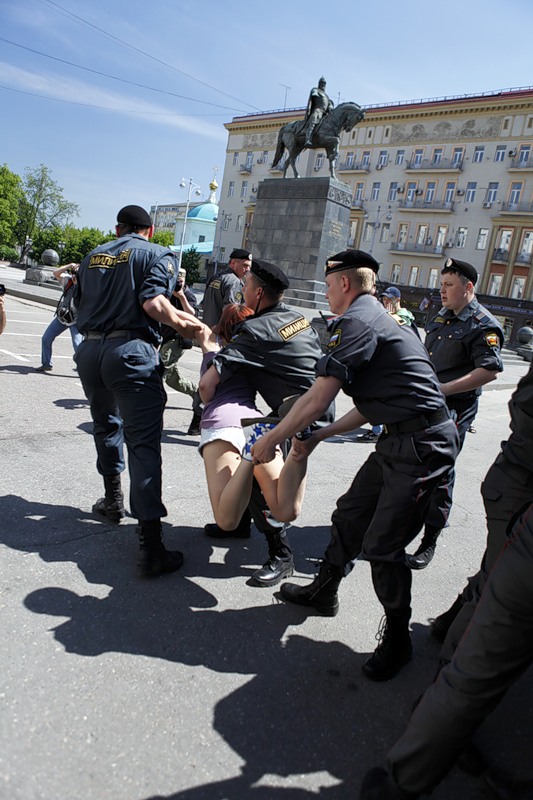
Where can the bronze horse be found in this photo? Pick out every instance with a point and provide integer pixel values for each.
(326, 136)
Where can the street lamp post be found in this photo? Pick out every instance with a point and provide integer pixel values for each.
(191, 187)
(27, 247)
(377, 224)
(224, 220)
(61, 246)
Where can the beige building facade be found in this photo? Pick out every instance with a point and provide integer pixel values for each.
(429, 179)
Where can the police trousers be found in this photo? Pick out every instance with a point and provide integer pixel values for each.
(385, 507)
(121, 379)
(495, 650)
(170, 353)
(464, 412)
(506, 490)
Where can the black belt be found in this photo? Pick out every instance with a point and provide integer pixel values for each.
(112, 335)
(418, 423)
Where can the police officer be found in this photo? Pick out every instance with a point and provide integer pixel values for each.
(226, 286)
(278, 350)
(124, 291)
(463, 342)
(388, 374)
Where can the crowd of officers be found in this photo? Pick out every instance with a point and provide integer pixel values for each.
(425, 396)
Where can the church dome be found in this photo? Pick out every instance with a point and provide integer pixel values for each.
(206, 211)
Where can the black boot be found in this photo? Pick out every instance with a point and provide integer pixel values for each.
(380, 785)
(194, 427)
(440, 626)
(112, 505)
(321, 594)
(426, 550)
(242, 531)
(279, 565)
(393, 651)
(154, 560)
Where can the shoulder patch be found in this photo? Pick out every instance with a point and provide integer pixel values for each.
(170, 268)
(107, 261)
(215, 284)
(238, 297)
(335, 340)
(492, 339)
(440, 320)
(294, 328)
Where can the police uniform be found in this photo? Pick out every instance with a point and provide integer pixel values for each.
(458, 344)
(118, 361)
(225, 287)
(387, 373)
(172, 346)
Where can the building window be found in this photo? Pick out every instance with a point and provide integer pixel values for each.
(470, 192)
(517, 287)
(235, 158)
(387, 133)
(227, 220)
(500, 152)
(265, 156)
(506, 124)
(396, 273)
(410, 192)
(433, 278)
(350, 159)
(449, 194)
(319, 161)
(201, 238)
(514, 195)
(414, 272)
(244, 188)
(457, 156)
(422, 234)
(367, 233)
(385, 232)
(495, 285)
(492, 192)
(430, 192)
(417, 158)
(249, 160)
(375, 190)
(526, 248)
(479, 152)
(383, 159)
(353, 232)
(393, 191)
(231, 188)
(529, 124)
(437, 156)
(460, 240)
(365, 159)
(402, 233)
(240, 220)
(400, 156)
(442, 232)
(359, 189)
(504, 240)
(524, 154)
(482, 239)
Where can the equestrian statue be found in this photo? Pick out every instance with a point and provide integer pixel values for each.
(320, 129)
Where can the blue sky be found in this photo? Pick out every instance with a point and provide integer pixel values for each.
(112, 142)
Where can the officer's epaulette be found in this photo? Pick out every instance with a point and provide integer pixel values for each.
(482, 316)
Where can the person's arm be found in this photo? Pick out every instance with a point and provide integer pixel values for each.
(186, 306)
(162, 310)
(467, 383)
(57, 273)
(302, 448)
(208, 384)
(305, 411)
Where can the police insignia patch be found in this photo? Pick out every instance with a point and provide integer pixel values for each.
(492, 339)
(170, 268)
(238, 297)
(335, 340)
(293, 328)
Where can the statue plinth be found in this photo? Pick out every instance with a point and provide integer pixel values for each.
(298, 223)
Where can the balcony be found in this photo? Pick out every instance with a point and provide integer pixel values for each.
(358, 205)
(278, 167)
(500, 255)
(424, 205)
(524, 258)
(426, 165)
(354, 166)
(517, 208)
(246, 168)
(519, 163)
(418, 249)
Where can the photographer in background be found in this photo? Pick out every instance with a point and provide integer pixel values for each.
(173, 345)
(56, 327)
(2, 308)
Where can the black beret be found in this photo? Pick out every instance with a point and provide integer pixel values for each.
(134, 215)
(462, 267)
(270, 275)
(240, 253)
(350, 259)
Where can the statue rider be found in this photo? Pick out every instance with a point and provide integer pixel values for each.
(318, 105)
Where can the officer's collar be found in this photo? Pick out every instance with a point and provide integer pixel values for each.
(265, 310)
(464, 313)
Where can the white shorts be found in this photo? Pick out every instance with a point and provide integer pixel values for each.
(232, 435)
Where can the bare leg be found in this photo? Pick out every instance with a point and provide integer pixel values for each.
(283, 486)
(229, 483)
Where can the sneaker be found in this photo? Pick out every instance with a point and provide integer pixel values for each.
(44, 368)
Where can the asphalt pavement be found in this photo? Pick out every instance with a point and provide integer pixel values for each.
(196, 686)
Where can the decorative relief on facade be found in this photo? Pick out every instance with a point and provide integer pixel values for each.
(339, 196)
(483, 128)
(261, 141)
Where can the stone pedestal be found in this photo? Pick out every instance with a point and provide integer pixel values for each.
(298, 223)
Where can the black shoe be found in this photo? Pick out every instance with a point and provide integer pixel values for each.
(379, 785)
(272, 572)
(194, 427)
(44, 368)
(393, 651)
(426, 549)
(114, 511)
(154, 559)
(440, 626)
(242, 531)
(321, 594)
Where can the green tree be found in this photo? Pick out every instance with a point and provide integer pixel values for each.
(10, 197)
(78, 242)
(164, 238)
(42, 205)
(190, 262)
